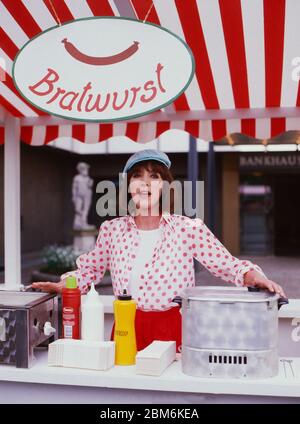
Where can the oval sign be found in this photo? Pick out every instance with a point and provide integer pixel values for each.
(103, 69)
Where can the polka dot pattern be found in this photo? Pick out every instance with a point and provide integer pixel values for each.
(171, 268)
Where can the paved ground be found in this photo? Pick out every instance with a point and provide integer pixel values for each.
(283, 270)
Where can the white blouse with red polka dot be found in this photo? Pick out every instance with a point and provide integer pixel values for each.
(171, 268)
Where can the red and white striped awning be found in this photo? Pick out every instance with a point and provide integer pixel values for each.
(243, 82)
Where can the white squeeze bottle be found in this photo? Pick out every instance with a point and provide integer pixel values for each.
(92, 317)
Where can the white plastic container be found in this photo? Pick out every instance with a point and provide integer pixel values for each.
(92, 316)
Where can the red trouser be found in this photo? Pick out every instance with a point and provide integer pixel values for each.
(157, 325)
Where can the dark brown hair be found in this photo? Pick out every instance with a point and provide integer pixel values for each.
(149, 165)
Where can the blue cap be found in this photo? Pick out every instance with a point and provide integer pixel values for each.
(148, 154)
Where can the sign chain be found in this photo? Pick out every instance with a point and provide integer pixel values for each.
(148, 13)
(59, 22)
(55, 14)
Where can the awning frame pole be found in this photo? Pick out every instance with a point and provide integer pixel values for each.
(193, 172)
(211, 189)
(12, 215)
(193, 169)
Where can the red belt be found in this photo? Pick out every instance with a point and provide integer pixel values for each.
(157, 325)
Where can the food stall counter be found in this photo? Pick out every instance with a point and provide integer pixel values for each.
(120, 384)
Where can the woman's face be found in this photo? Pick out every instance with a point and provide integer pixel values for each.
(145, 187)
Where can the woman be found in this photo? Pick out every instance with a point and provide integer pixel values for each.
(150, 253)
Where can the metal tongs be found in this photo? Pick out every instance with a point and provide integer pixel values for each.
(289, 362)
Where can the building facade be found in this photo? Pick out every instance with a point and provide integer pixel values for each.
(256, 207)
(261, 207)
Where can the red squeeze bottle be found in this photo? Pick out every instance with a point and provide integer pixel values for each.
(71, 296)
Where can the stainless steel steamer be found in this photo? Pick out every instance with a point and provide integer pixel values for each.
(229, 332)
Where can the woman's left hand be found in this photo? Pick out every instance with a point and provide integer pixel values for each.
(256, 279)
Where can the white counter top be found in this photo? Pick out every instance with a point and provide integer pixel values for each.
(107, 301)
(291, 310)
(172, 380)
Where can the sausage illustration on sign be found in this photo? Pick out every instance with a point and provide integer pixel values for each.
(100, 61)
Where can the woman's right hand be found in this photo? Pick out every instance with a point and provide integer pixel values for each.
(48, 286)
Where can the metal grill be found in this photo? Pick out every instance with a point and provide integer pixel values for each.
(227, 359)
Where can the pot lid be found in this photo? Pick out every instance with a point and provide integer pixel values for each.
(228, 294)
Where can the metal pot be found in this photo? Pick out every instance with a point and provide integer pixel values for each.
(229, 331)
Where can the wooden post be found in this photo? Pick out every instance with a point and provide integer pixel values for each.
(231, 204)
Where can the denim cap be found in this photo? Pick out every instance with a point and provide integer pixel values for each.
(143, 155)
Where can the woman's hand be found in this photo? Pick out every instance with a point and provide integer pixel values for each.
(256, 279)
(48, 287)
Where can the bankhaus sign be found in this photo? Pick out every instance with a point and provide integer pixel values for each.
(271, 160)
(103, 69)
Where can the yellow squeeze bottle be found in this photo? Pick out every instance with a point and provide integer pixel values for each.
(124, 332)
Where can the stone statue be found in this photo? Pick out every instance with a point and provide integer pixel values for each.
(82, 196)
